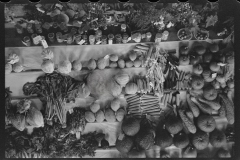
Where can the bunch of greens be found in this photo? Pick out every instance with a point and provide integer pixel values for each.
(56, 90)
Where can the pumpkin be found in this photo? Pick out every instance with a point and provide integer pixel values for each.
(197, 82)
(83, 91)
(217, 138)
(200, 140)
(65, 67)
(95, 107)
(206, 123)
(184, 60)
(101, 63)
(189, 152)
(115, 88)
(210, 93)
(163, 139)
(17, 67)
(214, 67)
(100, 116)
(122, 79)
(181, 140)
(223, 153)
(197, 69)
(47, 66)
(130, 125)
(77, 65)
(110, 115)
(89, 116)
(113, 58)
(200, 49)
(174, 125)
(129, 63)
(183, 50)
(132, 56)
(92, 64)
(145, 138)
(137, 63)
(121, 63)
(124, 144)
(194, 59)
(206, 73)
(131, 88)
(8, 68)
(207, 57)
(214, 48)
(115, 104)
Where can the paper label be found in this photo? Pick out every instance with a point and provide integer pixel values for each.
(214, 75)
(106, 57)
(37, 39)
(38, 5)
(70, 111)
(59, 5)
(44, 44)
(221, 64)
(32, 21)
(81, 42)
(24, 43)
(79, 22)
(99, 42)
(40, 10)
(129, 39)
(121, 136)
(109, 41)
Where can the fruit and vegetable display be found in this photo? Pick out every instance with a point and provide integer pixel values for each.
(170, 99)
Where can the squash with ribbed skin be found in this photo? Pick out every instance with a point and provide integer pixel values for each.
(189, 152)
(184, 60)
(181, 140)
(206, 123)
(173, 125)
(210, 93)
(200, 140)
(197, 82)
(197, 69)
(163, 139)
(217, 138)
(131, 88)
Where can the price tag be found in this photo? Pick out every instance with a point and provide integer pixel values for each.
(38, 5)
(79, 22)
(81, 42)
(214, 75)
(37, 39)
(110, 41)
(129, 39)
(32, 21)
(221, 64)
(40, 10)
(70, 111)
(59, 5)
(106, 57)
(121, 136)
(44, 44)
(24, 43)
(99, 42)
(78, 135)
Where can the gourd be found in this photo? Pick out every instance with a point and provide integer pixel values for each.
(70, 13)
(130, 125)
(131, 88)
(197, 69)
(120, 114)
(173, 125)
(124, 144)
(8, 68)
(77, 65)
(129, 63)
(47, 66)
(100, 116)
(184, 60)
(92, 64)
(181, 140)
(164, 139)
(110, 115)
(221, 79)
(229, 108)
(187, 122)
(200, 140)
(121, 63)
(63, 18)
(210, 93)
(132, 56)
(209, 79)
(194, 59)
(193, 107)
(122, 79)
(203, 107)
(213, 104)
(115, 88)
(197, 82)
(115, 104)
(217, 138)
(89, 116)
(206, 123)
(113, 57)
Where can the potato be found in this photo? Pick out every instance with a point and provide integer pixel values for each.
(120, 114)
(110, 115)
(100, 116)
(89, 116)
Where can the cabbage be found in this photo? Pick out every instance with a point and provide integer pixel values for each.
(17, 67)
(65, 67)
(23, 105)
(47, 54)
(18, 121)
(34, 117)
(47, 66)
(8, 68)
(13, 58)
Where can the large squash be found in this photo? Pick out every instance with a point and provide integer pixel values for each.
(163, 139)
(210, 93)
(131, 88)
(197, 82)
(181, 140)
(174, 125)
(206, 123)
(217, 138)
(200, 140)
